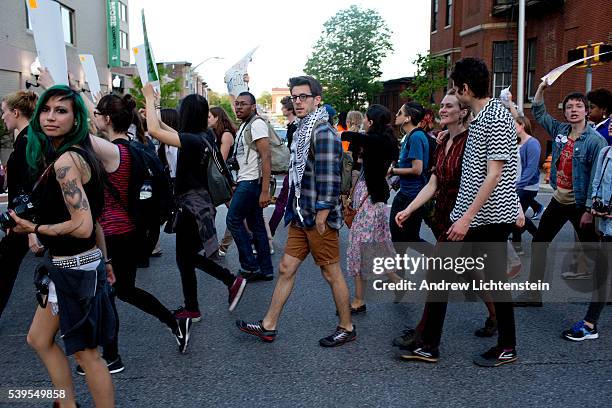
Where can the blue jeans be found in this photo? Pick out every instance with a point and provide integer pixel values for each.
(245, 205)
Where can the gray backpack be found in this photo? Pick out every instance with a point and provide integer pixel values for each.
(279, 152)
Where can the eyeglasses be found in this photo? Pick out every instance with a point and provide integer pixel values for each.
(242, 104)
(301, 97)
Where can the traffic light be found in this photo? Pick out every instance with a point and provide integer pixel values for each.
(576, 54)
(602, 49)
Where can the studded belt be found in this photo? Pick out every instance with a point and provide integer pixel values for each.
(78, 260)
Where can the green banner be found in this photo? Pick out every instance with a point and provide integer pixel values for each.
(112, 33)
(151, 67)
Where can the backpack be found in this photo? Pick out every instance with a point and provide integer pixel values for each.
(346, 178)
(150, 200)
(279, 152)
(218, 177)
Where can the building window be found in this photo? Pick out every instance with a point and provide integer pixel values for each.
(123, 14)
(124, 40)
(434, 15)
(532, 81)
(67, 24)
(502, 66)
(67, 16)
(447, 71)
(449, 12)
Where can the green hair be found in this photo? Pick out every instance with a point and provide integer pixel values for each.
(39, 144)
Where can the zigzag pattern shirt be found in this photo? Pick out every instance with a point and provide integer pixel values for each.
(492, 136)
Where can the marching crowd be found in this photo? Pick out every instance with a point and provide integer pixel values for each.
(91, 178)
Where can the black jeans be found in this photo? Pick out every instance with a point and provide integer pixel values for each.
(526, 198)
(554, 218)
(120, 249)
(409, 232)
(600, 282)
(13, 248)
(436, 310)
(188, 246)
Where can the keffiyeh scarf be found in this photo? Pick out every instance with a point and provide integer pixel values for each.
(300, 149)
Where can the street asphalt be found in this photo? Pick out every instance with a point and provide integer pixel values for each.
(226, 368)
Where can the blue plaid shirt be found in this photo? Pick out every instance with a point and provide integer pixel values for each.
(321, 181)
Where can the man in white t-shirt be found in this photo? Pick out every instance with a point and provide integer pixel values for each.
(252, 195)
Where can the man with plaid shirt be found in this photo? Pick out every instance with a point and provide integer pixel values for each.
(313, 213)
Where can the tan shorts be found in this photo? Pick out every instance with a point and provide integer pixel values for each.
(325, 249)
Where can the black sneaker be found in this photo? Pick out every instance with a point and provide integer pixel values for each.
(580, 331)
(406, 339)
(258, 276)
(181, 333)
(495, 357)
(489, 329)
(114, 367)
(415, 352)
(339, 337)
(257, 329)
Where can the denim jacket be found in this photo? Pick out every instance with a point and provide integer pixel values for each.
(586, 149)
(602, 185)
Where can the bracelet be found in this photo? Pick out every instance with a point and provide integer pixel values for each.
(108, 261)
(36, 228)
(157, 107)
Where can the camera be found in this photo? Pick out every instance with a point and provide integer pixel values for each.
(23, 207)
(600, 207)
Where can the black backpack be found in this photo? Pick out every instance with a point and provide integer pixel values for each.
(150, 199)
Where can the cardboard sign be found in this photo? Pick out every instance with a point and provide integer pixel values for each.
(141, 63)
(234, 77)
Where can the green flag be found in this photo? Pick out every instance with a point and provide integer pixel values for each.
(151, 66)
(112, 33)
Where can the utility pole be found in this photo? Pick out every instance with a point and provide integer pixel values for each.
(520, 77)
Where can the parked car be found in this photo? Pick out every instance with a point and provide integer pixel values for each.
(281, 132)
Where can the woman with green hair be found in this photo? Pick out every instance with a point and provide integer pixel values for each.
(69, 199)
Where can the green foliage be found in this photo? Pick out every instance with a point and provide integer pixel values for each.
(429, 78)
(347, 57)
(265, 99)
(223, 101)
(169, 89)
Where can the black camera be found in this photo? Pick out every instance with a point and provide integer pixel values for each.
(42, 282)
(23, 207)
(232, 163)
(600, 207)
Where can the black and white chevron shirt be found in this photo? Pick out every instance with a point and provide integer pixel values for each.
(492, 136)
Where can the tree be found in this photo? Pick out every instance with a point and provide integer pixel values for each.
(265, 99)
(223, 101)
(169, 89)
(429, 78)
(347, 57)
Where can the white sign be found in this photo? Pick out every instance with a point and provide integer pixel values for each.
(46, 21)
(141, 63)
(553, 75)
(234, 77)
(91, 73)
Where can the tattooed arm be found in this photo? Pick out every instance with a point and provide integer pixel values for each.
(71, 171)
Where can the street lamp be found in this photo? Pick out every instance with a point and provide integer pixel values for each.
(206, 60)
(192, 72)
(35, 71)
(116, 82)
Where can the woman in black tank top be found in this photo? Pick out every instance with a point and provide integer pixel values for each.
(69, 198)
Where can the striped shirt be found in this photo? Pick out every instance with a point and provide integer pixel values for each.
(491, 136)
(115, 219)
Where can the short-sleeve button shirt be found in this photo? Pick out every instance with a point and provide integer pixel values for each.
(492, 136)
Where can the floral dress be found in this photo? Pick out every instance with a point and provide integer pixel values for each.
(370, 226)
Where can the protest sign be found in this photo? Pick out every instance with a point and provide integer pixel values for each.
(553, 75)
(91, 73)
(46, 21)
(234, 77)
(147, 60)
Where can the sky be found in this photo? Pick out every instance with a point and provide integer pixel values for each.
(285, 31)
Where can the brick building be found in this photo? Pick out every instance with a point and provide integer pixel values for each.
(390, 96)
(488, 30)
